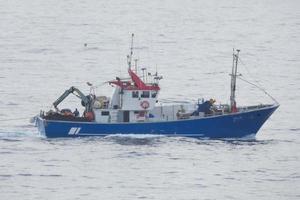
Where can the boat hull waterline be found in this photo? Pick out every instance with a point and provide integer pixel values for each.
(233, 125)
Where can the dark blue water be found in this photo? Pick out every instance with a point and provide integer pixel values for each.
(42, 53)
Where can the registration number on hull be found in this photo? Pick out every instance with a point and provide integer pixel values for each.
(74, 131)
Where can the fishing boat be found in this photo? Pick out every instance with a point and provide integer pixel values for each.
(134, 108)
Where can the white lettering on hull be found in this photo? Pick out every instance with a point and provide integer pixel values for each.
(74, 131)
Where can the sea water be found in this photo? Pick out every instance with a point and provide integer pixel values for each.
(48, 46)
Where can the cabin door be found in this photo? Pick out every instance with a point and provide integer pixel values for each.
(126, 116)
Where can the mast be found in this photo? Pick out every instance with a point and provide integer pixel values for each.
(129, 57)
(233, 79)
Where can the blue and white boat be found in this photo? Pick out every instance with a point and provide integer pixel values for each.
(134, 109)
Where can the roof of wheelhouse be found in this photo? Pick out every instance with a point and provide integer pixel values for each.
(138, 84)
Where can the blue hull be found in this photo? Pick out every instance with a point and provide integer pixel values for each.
(233, 125)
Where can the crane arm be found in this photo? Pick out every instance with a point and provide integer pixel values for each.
(69, 91)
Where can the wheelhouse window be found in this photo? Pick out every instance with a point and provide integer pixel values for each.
(153, 94)
(145, 94)
(105, 113)
(135, 94)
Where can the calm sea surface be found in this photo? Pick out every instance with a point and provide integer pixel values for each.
(43, 52)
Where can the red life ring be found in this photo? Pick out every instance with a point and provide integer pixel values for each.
(145, 104)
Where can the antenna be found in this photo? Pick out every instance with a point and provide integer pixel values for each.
(143, 69)
(135, 65)
(156, 77)
(146, 76)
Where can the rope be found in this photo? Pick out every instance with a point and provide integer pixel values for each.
(250, 74)
(2, 120)
(259, 89)
(259, 86)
